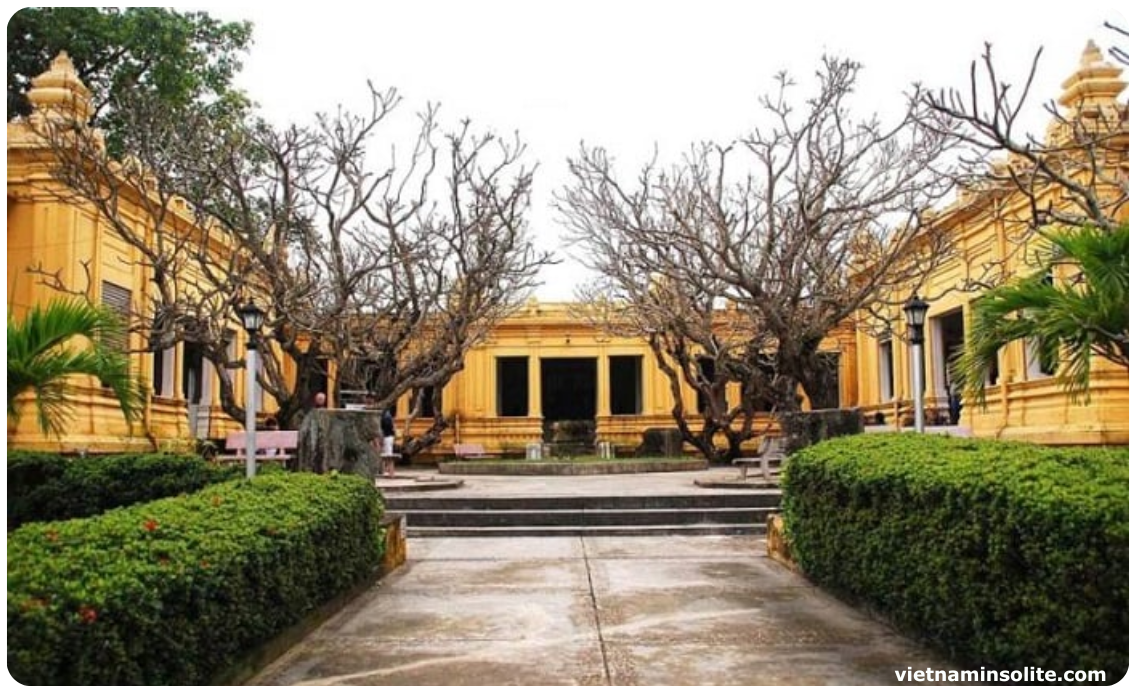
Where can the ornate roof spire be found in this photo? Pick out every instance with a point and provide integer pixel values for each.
(1095, 83)
(58, 94)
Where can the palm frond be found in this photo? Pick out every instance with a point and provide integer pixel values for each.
(1070, 310)
(66, 338)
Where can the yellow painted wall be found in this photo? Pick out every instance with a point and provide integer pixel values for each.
(986, 227)
(51, 231)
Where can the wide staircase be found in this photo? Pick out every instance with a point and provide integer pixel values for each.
(728, 513)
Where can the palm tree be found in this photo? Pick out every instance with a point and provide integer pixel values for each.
(1068, 318)
(43, 355)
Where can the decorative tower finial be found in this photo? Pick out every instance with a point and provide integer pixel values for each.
(1091, 55)
(1096, 82)
(58, 94)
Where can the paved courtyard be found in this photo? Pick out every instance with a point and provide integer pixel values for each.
(596, 611)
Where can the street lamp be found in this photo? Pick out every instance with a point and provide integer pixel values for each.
(915, 311)
(251, 318)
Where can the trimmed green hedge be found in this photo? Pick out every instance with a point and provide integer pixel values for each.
(1005, 555)
(51, 486)
(175, 591)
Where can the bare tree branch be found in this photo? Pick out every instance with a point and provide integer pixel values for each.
(738, 262)
(392, 274)
(1069, 177)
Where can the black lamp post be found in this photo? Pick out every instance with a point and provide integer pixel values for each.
(252, 318)
(915, 310)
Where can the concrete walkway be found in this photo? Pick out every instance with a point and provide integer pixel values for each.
(596, 611)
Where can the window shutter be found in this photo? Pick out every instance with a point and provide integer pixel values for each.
(118, 299)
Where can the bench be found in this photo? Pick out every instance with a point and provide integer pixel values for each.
(284, 443)
(770, 451)
(471, 451)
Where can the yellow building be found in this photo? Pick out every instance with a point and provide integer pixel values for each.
(543, 363)
(70, 241)
(1024, 401)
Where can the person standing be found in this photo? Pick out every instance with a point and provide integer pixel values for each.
(388, 441)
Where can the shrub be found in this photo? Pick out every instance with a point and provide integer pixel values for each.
(1003, 554)
(175, 591)
(50, 486)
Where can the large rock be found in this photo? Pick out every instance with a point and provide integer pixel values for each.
(572, 437)
(339, 440)
(802, 429)
(661, 442)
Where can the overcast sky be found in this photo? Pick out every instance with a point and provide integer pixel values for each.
(629, 75)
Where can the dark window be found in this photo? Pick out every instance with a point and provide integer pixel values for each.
(1043, 357)
(994, 371)
(317, 379)
(192, 371)
(625, 385)
(158, 373)
(886, 371)
(423, 400)
(569, 388)
(513, 386)
(708, 377)
(829, 385)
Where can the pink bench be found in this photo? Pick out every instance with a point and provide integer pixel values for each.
(471, 451)
(268, 445)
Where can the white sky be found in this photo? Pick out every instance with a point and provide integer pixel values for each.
(628, 74)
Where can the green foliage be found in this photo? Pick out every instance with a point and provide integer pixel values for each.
(50, 486)
(43, 356)
(123, 53)
(1067, 318)
(1002, 554)
(177, 590)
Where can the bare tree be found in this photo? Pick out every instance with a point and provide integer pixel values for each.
(391, 272)
(1070, 177)
(1073, 180)
(791, 231)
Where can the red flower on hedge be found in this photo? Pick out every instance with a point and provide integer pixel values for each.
(88, 614)
(150, 525)
(52, 535)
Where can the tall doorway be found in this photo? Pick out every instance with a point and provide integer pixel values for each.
(569, 389)
(947, 333)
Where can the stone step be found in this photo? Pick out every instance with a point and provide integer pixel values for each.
(727, 513)
(407, 502)
(583, 517)
(590, 531)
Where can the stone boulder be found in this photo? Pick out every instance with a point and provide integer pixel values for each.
(661, 442)
(802, 429)
(339, 440)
